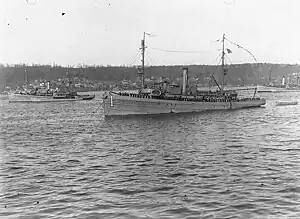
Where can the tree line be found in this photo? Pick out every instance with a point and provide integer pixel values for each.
(238, 74)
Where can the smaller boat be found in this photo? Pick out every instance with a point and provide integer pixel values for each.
(286, 103)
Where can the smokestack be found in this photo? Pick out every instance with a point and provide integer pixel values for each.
(283, 81)
(184, 80)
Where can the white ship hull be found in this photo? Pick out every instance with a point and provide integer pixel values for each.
(266, 89)
(116, 105)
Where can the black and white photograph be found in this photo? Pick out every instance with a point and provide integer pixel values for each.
(149, 109)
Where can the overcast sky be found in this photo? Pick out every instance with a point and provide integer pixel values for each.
(105, 32)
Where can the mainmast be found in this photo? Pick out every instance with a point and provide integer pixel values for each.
(26, 79)
(143, 48)
(69, 81)
(223, 63)
(270, 75)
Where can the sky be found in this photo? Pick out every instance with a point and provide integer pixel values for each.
(108, 32)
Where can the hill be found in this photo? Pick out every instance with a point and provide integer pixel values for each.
(240, 74)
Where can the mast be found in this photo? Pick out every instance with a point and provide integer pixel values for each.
(143, 47)
(26, 79)
(223, 63)
(68, 75)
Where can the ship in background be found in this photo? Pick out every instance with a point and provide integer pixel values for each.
(289, 84)
(42, 89)
(44, 93)
(165, 97)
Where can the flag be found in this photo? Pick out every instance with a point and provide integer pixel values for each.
(149, 34)
(228, 51)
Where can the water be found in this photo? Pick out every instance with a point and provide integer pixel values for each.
(67, 161)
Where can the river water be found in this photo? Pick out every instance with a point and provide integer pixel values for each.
(64, 160)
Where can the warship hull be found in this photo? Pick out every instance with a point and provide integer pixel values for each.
(46, 99)
(116, 105)
(28, 96)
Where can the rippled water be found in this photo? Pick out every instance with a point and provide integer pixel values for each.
(67, 161)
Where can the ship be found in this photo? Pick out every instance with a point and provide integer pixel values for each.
(285, 86)
(271, 89)
(164, 97)
(39, 91)
(61, 94)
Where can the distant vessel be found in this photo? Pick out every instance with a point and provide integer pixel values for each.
(59, 98)
(272, 88)
(58, 95)
(37, 91)
(276, 89)
(40, 90)
(166, 98)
